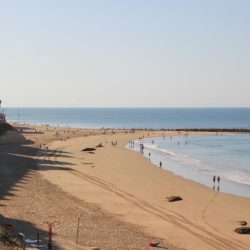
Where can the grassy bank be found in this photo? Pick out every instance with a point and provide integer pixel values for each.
(8, 242)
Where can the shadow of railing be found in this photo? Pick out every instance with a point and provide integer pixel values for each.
(18, 164)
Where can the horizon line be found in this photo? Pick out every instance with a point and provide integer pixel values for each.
(129, 107)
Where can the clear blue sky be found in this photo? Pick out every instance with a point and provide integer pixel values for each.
(125, 53)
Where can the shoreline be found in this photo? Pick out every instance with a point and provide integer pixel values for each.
(124, 184)
(213, 130)
(188, 172)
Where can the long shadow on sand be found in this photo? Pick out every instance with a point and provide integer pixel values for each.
(17, 163)
(17, 167)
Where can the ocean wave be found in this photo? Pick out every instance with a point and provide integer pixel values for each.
(237, 176)
(157, 148)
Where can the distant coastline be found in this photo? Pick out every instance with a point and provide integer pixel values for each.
(193, 119)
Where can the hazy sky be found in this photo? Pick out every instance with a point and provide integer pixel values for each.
(125, 53)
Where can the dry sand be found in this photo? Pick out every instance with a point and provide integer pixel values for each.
(120, 195)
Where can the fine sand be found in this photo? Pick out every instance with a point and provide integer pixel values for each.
(120, 195)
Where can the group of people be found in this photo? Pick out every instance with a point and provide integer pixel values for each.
(131, 144)
(218, 179)
(114, 144)
(214, 181)
(43, 146)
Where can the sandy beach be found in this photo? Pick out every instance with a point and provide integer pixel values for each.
(120, 195)
(125, 125)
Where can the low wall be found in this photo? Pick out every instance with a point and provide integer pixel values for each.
(9, 135)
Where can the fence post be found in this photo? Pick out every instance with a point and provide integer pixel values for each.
(78, 225)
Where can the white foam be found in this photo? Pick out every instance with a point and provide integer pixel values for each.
(156, 147)
(174, 156)
(236, 176)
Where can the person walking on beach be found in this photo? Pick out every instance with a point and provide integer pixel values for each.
(218, 179)
(214, 179)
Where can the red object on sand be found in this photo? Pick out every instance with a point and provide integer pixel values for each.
(154, 244)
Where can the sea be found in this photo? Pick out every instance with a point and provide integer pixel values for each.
(155, 118)
(201, 157)
(195, 157)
